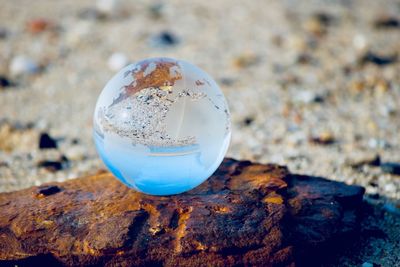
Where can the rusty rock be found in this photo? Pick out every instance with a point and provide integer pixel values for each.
(245, 214)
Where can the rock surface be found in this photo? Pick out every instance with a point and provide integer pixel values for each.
(246, 213)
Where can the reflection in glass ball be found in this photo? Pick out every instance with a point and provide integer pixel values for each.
(162, 126)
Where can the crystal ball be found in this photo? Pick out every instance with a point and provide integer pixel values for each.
(162, 126)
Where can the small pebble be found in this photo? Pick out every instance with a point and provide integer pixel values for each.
(227, 81)
(75, 141)
(324, 18)
(295, 139)
(387, 22)
(54, 166)
(46, 141)
(371, 160)
(308, 97)
(164, 39)
(325, 138)
(42, 124)
(360, 42)
(15, 136)
(377, 143)
(22, 65)
(79, 33)
(305, 97)
(316, 25)
(391, 167)
(389, 187)
(110, 8)
(91, 14)
(381, 86)
(39, 25)
(380, 60)
(117, 61)
(4, 164)
(51, 166)
(357, 86)
(245, 60)
(75, 153)
(3, 33)
(156, 10)
(304, 58)
(4, 82)
(247, 121)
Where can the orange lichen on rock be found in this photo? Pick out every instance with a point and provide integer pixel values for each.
(184, 215)
(221, 209)
(259, 175)
(274, 199)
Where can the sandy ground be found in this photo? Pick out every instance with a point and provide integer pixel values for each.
(313, 85)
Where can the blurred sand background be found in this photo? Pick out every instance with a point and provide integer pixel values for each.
(314, 85)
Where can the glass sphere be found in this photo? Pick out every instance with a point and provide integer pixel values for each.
(162, 126)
